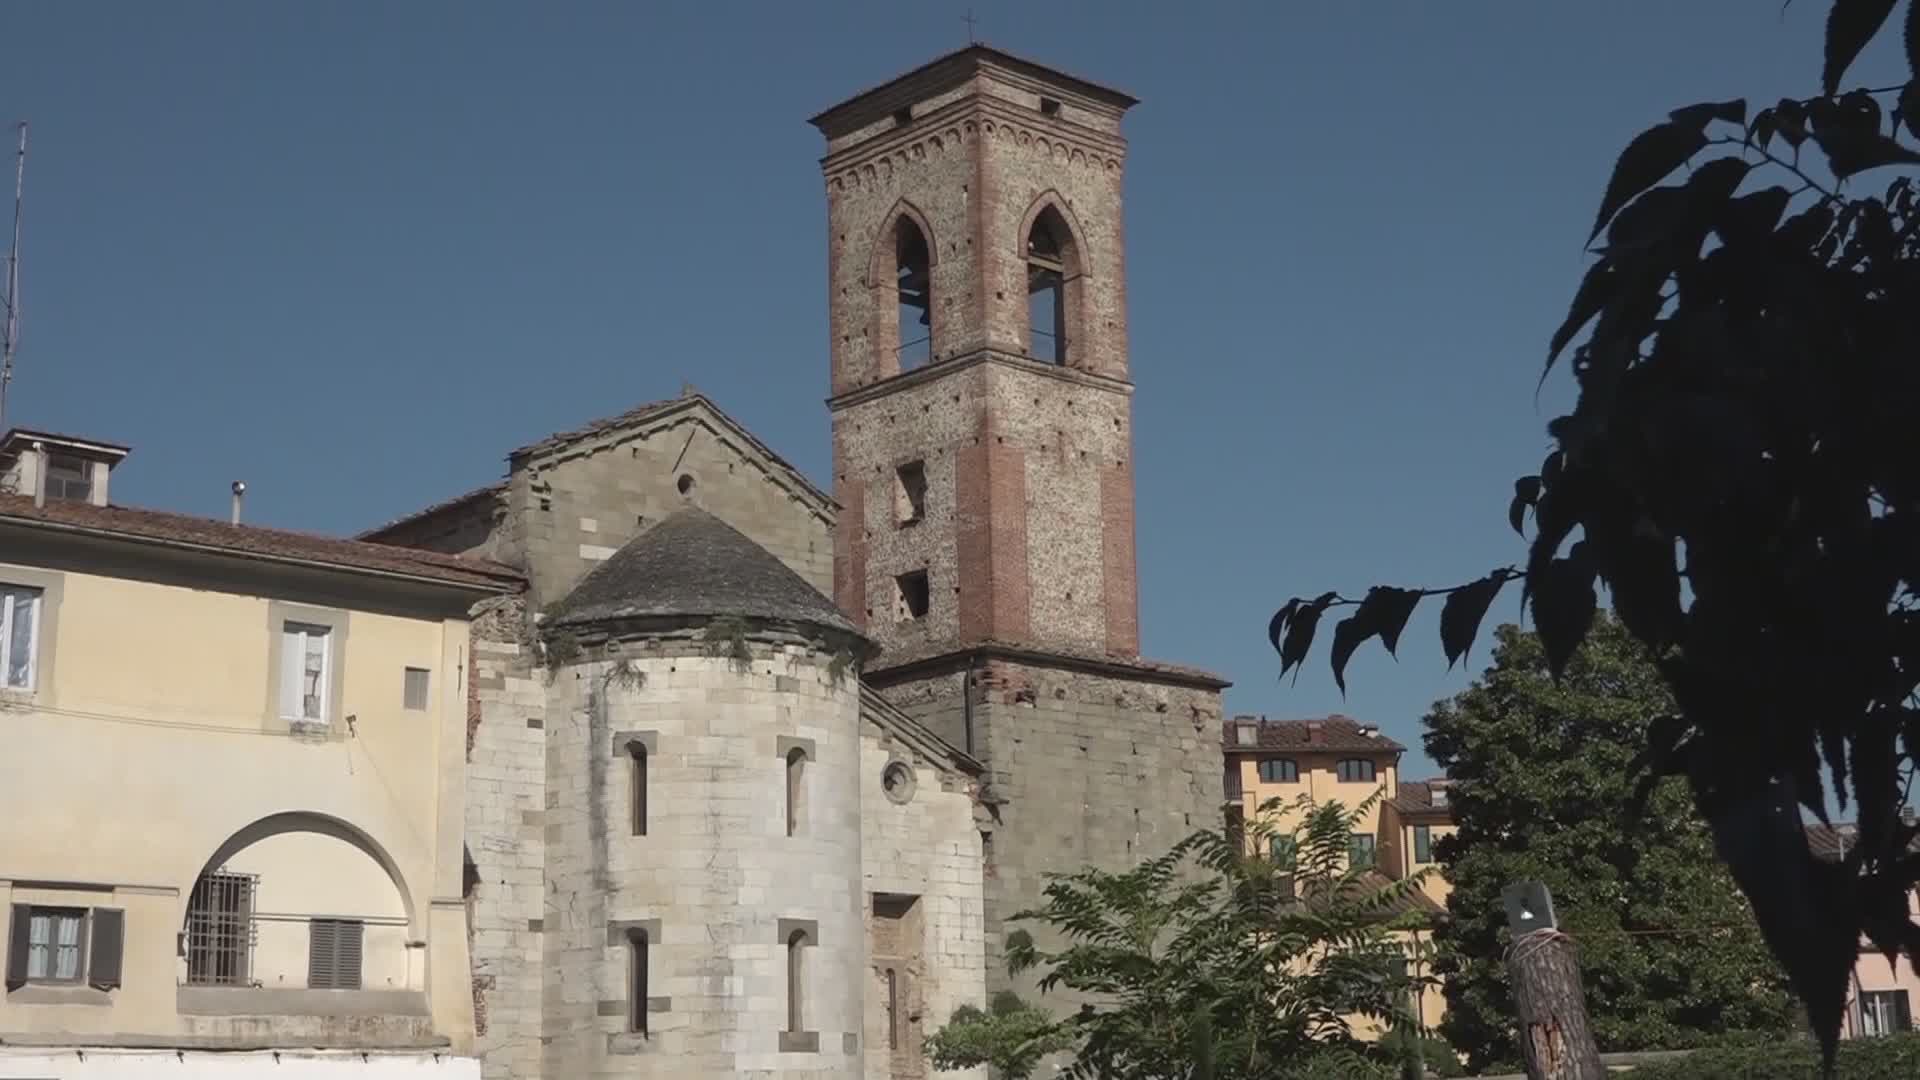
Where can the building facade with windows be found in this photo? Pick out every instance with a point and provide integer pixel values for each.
(1339, 759)
(232, 789)
(583, 772)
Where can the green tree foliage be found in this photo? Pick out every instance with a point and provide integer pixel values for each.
(1669, 952)
(1011, 1036)
(1211, 963)
(1741, 472)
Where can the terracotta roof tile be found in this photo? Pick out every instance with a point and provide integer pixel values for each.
(255, 541)
(1334, 732)
(1416, 797)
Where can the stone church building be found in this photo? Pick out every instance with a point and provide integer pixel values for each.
(756, 773)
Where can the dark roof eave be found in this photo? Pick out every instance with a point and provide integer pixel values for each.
(631, 622)
(978, 50)
(485, 581)
(1122, 668)
(426, 512)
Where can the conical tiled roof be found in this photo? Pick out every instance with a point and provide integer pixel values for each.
(694, 564)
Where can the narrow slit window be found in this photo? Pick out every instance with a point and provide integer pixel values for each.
(796, 789)
(637, 981)
(1423, 843)
(796, 981)
(893, 1009)
(637, 764)
(914, 283)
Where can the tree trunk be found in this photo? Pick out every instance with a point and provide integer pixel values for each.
(1555, 1040)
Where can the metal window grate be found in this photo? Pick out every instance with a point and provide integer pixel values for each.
(220, 932)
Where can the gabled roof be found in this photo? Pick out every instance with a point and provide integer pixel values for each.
(1415, 798)
(183, 530)
(650, 412)
(1334, 732)
(694, 564)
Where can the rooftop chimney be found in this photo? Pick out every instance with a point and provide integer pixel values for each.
(1246, 731)
(239, 496)
(1316, 733)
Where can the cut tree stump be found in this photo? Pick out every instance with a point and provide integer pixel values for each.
(1556, 1041)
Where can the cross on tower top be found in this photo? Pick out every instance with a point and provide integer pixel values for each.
(970, 21)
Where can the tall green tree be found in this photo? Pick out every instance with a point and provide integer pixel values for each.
(1212, 963)
(1741, 473)
(1543, 772)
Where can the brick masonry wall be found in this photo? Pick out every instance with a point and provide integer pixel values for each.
(505, 814)
(715, 867)
(1028, 532)
(927, 847)
(975, 167)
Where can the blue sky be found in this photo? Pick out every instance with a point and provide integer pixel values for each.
(354, 252)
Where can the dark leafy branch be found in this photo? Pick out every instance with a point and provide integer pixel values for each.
(1741, 474)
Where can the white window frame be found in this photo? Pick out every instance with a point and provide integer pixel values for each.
(1880, 1012)
(8, 630)
(293, 670)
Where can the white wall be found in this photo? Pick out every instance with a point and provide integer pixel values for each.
(110, 1064)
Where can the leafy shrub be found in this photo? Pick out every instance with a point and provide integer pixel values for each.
(1896, 1056)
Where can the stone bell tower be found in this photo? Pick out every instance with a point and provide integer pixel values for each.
(983, 460)
(982, 432)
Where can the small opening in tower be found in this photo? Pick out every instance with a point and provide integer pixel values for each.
(914, 264)
(910, 492)
(914, 595)
(1049, 107)
(685, 484)
(903, 117)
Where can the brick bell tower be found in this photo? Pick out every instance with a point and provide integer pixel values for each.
(983, 459)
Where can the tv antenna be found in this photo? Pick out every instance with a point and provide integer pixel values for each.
(11, 338)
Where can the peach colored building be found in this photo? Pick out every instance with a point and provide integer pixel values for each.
(1339, 759)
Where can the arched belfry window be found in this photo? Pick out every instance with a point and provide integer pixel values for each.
(913, 278)
(1052, 264)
